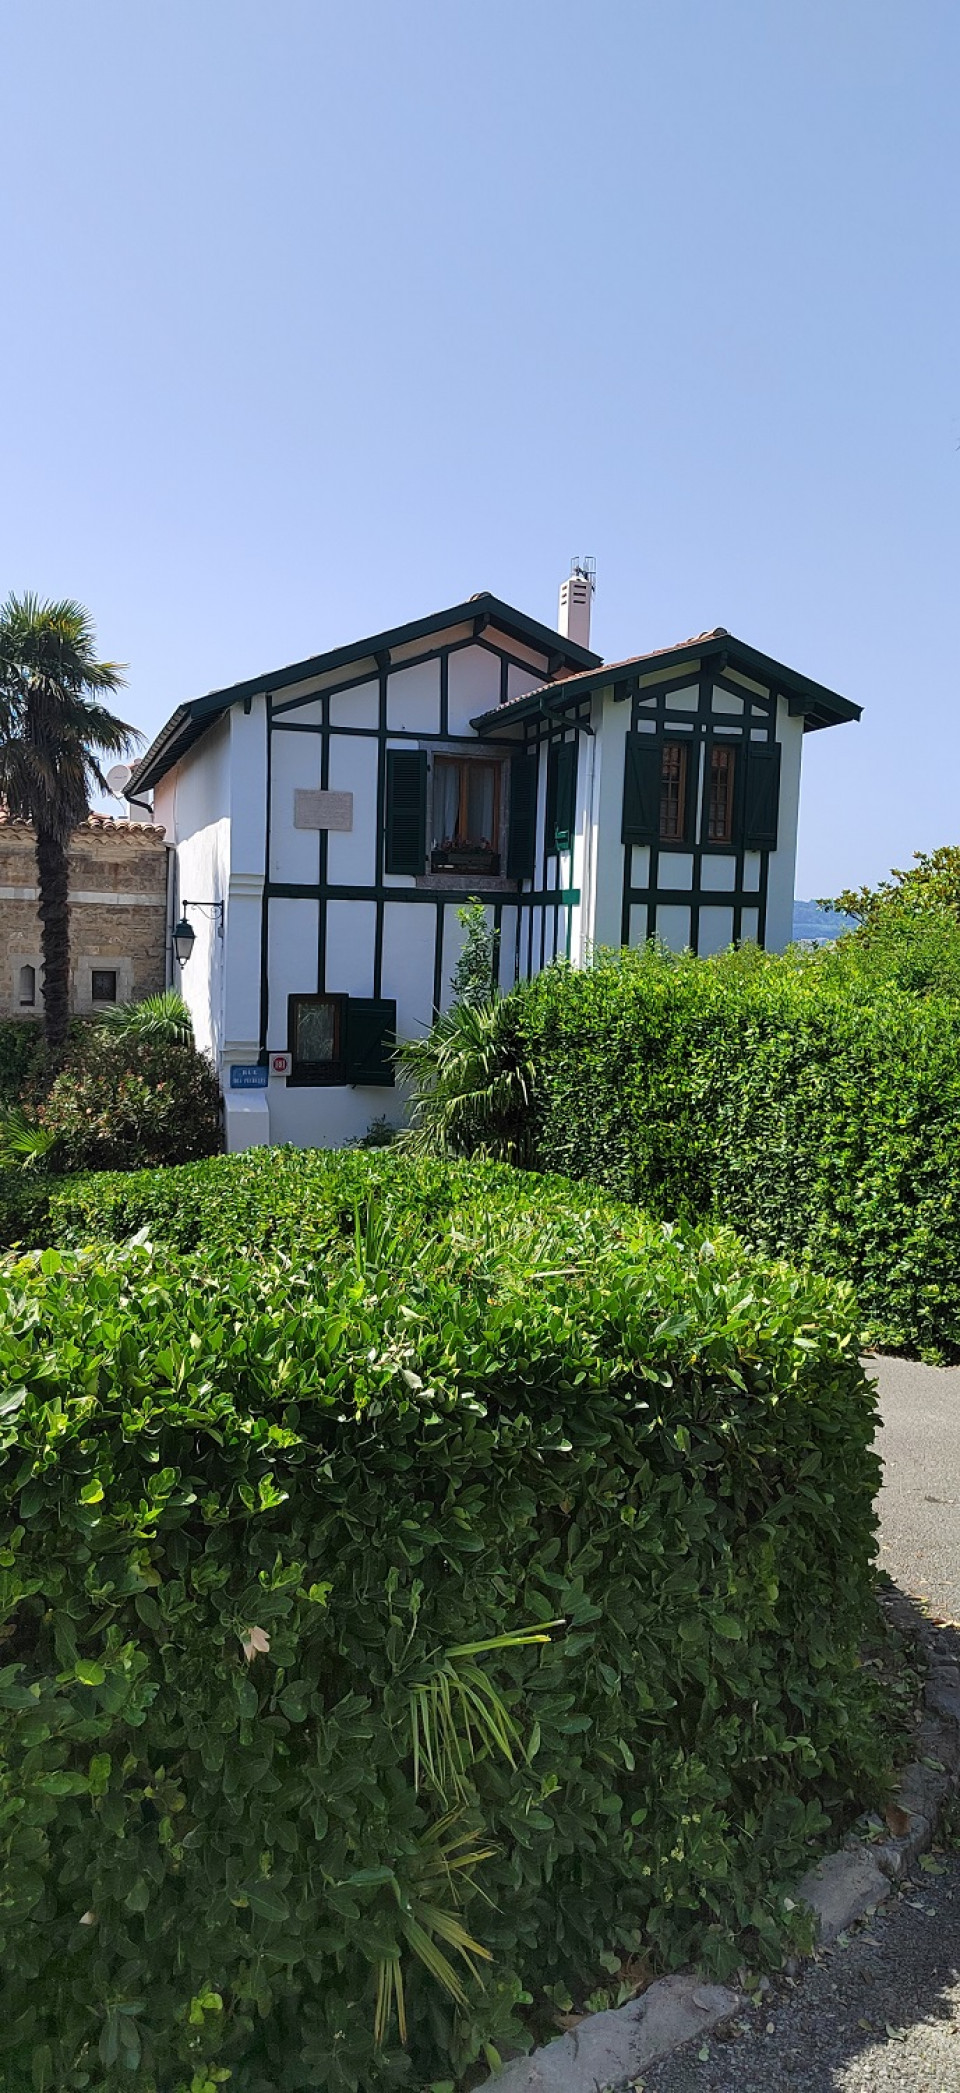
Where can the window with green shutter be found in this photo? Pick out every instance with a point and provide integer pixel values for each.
(406, 811)
(371, 1032)
(522, 817)
(643, 756)
(334, 1040)
(761, 797)
(561, 797)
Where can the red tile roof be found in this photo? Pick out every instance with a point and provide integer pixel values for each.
(110, 824)
(612, 668)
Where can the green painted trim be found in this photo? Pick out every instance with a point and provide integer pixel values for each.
(189, 721)
(820, 706)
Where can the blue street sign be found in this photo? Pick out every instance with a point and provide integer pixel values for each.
(248, 1075)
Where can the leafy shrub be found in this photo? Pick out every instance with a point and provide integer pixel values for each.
(266, 1519)
(22, 1057)
(811, 1101)
(131, 1097)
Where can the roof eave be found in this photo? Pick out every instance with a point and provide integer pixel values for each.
(185, 726)
(819, 706)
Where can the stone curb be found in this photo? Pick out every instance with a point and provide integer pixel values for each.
(607, 2050)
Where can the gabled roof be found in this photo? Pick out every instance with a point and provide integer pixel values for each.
(819, 706)
(186, 725)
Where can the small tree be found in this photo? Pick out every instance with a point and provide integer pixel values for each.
(932, 883)
(473, 978)
(52, 734)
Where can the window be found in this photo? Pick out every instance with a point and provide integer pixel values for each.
(561, 797)
(104, 989)
(465, 815)
(28, 987)
(342, 1039)
(673, 791)
(316, 1038)
(720, 799)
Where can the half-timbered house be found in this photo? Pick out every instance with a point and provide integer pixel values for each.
(328, 820)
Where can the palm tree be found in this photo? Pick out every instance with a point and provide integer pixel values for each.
(53, 730)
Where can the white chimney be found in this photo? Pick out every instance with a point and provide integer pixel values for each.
(576, 598)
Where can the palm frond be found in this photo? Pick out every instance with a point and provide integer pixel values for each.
(456, 1714)
(164, 1016)
(23, 1141)
(471, 1082)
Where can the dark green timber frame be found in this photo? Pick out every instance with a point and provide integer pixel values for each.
(649, 703)
(536, 902)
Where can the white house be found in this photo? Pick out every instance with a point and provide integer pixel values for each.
(326, 821)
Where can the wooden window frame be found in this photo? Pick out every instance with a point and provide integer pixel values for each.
(484, 863)
(683, 748)
(313, 1075)
(732, 750)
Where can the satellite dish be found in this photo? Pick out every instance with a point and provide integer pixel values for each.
(119, 778)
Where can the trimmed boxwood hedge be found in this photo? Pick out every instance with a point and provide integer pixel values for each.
(807, 1101)
(267, 1471)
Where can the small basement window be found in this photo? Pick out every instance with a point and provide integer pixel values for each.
(28, 987)
(673, 791)
(342, 1039)
(316, 1039)
(104, 988)
(720, 800)
(466, 815)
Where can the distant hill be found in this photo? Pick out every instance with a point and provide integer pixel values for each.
(811, 921)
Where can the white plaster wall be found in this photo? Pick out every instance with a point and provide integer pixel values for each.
(473, 686)
(352, 855)
(614, 726)
(749, 926)
(243, 928)
(407, 968)
(356, 708)
(673, 925)
(295, 766)
(519, 681)
(508, 948)
(351, 930)
(307, 714)
(718, 875)
(198, 798)
(413, 699)
(291, 961)
(783, 861)
(715, 932)
(321, 1118)
(675, 867)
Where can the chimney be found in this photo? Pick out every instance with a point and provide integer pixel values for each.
(576, 597)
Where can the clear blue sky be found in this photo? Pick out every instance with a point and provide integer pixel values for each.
(319, 317)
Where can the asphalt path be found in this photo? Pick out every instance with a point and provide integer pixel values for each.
(919, 1444)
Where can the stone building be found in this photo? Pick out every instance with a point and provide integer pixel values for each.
(118, 915)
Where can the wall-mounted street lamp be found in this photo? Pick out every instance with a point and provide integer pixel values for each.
(184, 935)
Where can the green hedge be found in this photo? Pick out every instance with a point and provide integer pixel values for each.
(259, 1500)
(812, 1106)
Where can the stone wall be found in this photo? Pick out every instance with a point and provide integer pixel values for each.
(118, 915)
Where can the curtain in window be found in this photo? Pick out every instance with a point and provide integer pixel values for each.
(481, 794)
(446, 803)
(316, 1032)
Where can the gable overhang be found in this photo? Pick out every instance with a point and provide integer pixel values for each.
(191, 721)
(813, 702)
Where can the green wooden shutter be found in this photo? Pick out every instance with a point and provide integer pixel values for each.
(641, 789)
(761, 795)
(371, 1030)
(406, 811)
(561, 795)
(522, 817)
